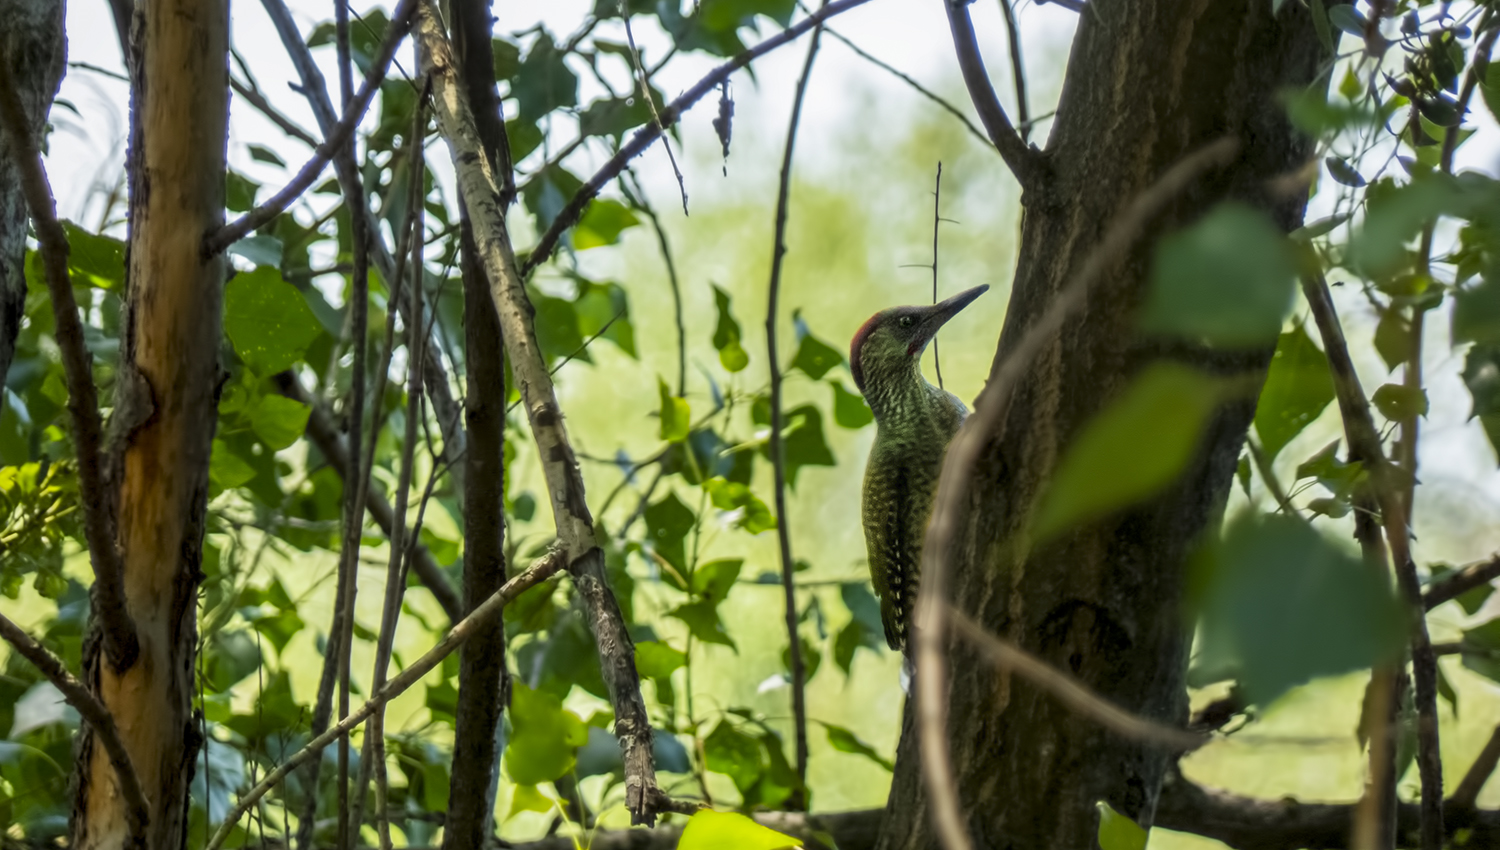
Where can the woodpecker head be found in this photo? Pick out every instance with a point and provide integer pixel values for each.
(892, 341)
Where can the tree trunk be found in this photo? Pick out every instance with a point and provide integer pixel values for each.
(162, 428)
(1148, 82)
(482, 686)
(33, 45)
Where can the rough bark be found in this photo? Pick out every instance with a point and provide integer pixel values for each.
(33, 47)
(1147, 83)
(165, 411)
(482, 678)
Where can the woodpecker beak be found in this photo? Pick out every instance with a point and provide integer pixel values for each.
(938, 315)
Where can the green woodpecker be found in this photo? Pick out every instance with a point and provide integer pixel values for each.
(914, 422)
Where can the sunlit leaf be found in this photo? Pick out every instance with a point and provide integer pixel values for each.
(268, 320)
(711, 830)
(815, 357)
(1132, 449)
(702, 619)
(278, 420)
(1118, 832)
(545, 736)
(732, 355)
(676, 418)
(1398, 402)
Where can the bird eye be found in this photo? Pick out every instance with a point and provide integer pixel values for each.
(905, 321)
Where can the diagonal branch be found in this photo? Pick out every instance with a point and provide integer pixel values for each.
(575, 526)
(1453, 586)
(543, 569)
(1025, 162)
(120, 641)
(336, 140)
(646, 135)
(97, 716)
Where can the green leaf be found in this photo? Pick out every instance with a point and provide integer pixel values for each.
(1135, 447)
(1312, 113)
(733, 496)
(656, 660)
(845, 741)
(268, 320)
(506, 56)
(260, 249)
(1489, 87)
(1227, 279)
(1398, 402)
(863, 630)
(279, 420)
(279, 628)
(231, 656)
(227, 469)
(676, 417)
(1117, 832)
(715, 579)
(815, 357)
(711, 830)
(615, 116)
(849, 409)
(94, 259)
(1484, 641)
(1476, 312)
(702, 619)
(1343, 172)
(261, 153)
(738, 756)
(605, 304)
(543, 82)
(667, 523)
(732, 355)
(803, 442)
(545, 736)
(1482, 377)
(239, 192)
(1392, 337)
(1284, 605)
(1396, 214)
(1297, 389)
(602, 224)
(556, 322)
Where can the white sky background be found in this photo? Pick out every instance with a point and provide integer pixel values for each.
(87, 154)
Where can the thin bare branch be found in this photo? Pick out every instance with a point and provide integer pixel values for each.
(263, 105)
(646, 135)
(121, 644)
(918, 87)
(354, 112)
(543, 569)
(479, 190)
(636, 194)
(1017, 68)
(95, 714)
(778, 445)
(962, 457)
(1478, 774)
(1025, 163)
